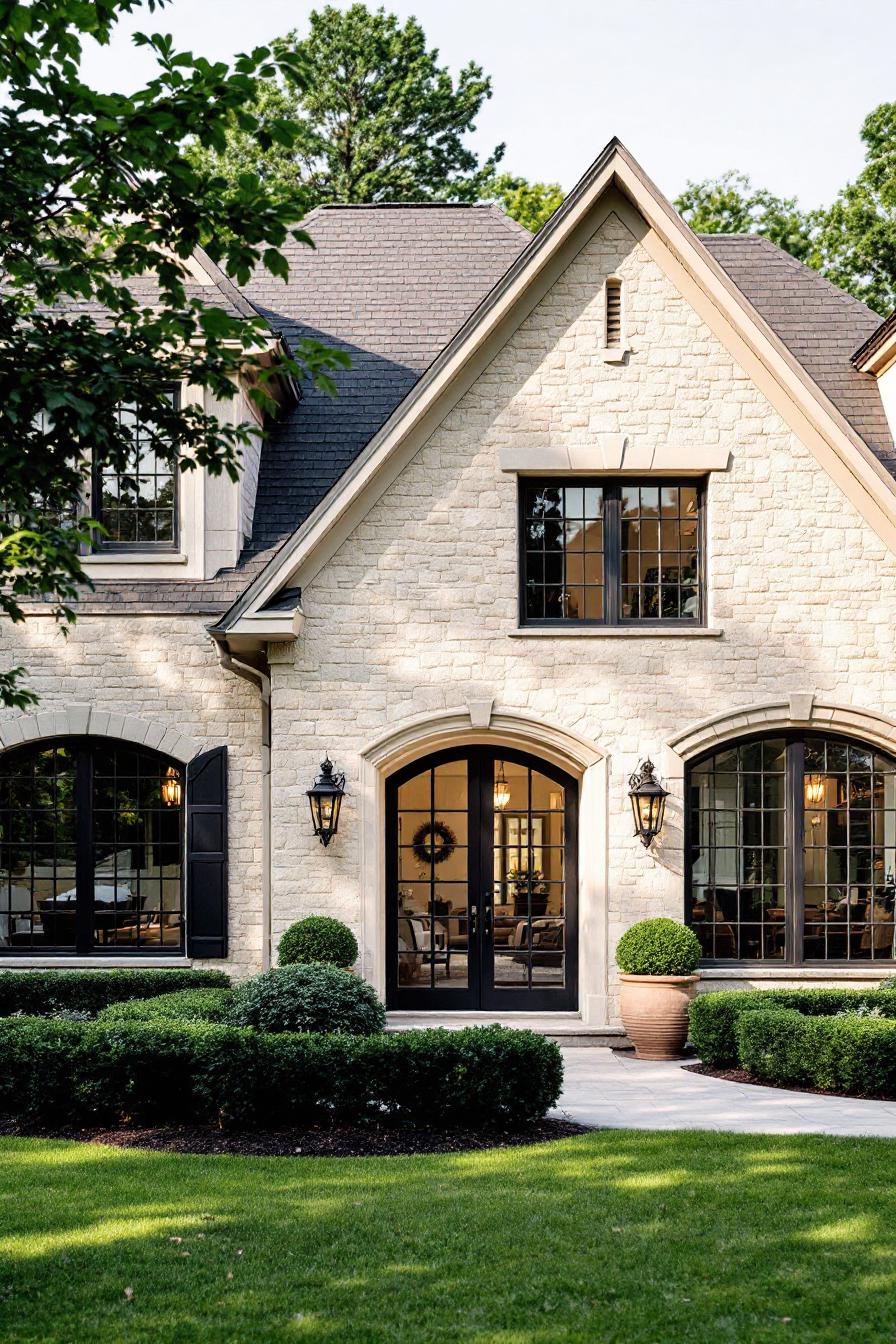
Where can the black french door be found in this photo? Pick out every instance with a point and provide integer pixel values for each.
(481, 883)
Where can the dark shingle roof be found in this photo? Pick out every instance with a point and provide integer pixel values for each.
(390, 284)
(820, 325)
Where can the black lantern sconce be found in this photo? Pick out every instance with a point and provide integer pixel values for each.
(325, 797)
(648, 799)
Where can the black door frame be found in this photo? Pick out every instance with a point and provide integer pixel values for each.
(480, 992)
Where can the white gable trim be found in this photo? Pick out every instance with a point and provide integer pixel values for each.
(676, 249)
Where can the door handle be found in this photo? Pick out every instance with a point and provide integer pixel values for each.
(474, 913)
(487, 912)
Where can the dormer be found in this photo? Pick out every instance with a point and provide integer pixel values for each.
(878, 357)
(164, 525)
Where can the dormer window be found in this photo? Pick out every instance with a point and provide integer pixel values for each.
(613, 316)
(137, 505)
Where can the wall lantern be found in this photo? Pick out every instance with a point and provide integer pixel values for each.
(502, 790)
(648, 802)
(172, 791)
(325, 797)
(815, 791)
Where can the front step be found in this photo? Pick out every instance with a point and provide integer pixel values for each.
(566, 1029)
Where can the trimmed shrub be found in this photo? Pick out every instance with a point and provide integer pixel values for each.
(142, 1073)
(318, 938)
(658, 947)
(714, 1016)
(40, 993)
(848, 1053)
(184, 1005)
(308, 998)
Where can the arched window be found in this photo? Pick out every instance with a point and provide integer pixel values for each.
(91, 849)
(791, 852)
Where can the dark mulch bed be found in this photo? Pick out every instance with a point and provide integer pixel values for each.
(317, 1141)
(741, 1076)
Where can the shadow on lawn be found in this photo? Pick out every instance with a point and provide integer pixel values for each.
(635, 1237)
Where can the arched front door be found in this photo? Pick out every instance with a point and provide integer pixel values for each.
(481, 883)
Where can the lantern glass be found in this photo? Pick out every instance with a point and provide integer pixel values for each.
(648, 799)
(171, 788)
(325, 799)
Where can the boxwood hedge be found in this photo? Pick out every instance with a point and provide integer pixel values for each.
(46, 992)
(849, 1053)
(70, 1072)
(714, 1016)
(184, 1005)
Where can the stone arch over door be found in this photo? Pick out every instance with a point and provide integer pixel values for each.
(88, 721)
(478, 723)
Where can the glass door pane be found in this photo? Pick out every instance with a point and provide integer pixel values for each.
(529, 872)
(432, 927)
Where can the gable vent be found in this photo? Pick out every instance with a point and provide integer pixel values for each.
(614, 313)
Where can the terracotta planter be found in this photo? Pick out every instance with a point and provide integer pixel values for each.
(655, 1013)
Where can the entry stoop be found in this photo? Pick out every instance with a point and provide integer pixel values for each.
(566, 1029)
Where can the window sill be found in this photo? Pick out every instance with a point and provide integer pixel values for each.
(746, 971)
(98, 962)
(135, 558)
(614, 632)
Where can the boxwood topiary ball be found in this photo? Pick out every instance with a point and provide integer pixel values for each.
(658, 947)
(308, 998)
(318, 938)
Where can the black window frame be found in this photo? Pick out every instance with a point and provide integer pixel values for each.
(612, 487)
(83, 756)
(103, 545)
(793, 848)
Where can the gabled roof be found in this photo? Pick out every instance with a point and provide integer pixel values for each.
(805, 394)
(820, 325)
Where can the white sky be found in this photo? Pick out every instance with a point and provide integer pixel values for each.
(776, 88)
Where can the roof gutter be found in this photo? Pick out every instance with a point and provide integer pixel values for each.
(262, 683)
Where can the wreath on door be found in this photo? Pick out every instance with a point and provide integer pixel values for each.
(433, 842)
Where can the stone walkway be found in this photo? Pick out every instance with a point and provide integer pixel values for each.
(613, 1090)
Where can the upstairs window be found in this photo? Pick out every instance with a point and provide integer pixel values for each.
(611, 552)
(138, 504)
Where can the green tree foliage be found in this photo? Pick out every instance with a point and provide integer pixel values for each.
(376, 117)
(94, 192)
(856, 246)
(731, 204)
(529, 203)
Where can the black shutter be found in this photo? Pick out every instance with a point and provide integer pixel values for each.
(207, 854)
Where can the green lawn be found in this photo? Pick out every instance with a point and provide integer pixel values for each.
(615, 1236)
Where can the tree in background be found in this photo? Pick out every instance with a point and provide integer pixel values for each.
(94, 192)
(529, 203)
(853, 243)
(731, 204)
(856, 246)
(376, 117)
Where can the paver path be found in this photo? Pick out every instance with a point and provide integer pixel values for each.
(604, 1088)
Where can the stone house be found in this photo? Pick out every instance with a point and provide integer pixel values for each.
(613, 494)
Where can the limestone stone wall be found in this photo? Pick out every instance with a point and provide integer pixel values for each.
(417, 611)
(163, 671)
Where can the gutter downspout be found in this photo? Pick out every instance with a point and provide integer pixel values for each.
(262, 682)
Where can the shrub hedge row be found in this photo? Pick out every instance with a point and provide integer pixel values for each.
(714, 1016)
(184, 1005)
(849, 1054)
(55, 1071)
(45, 992)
